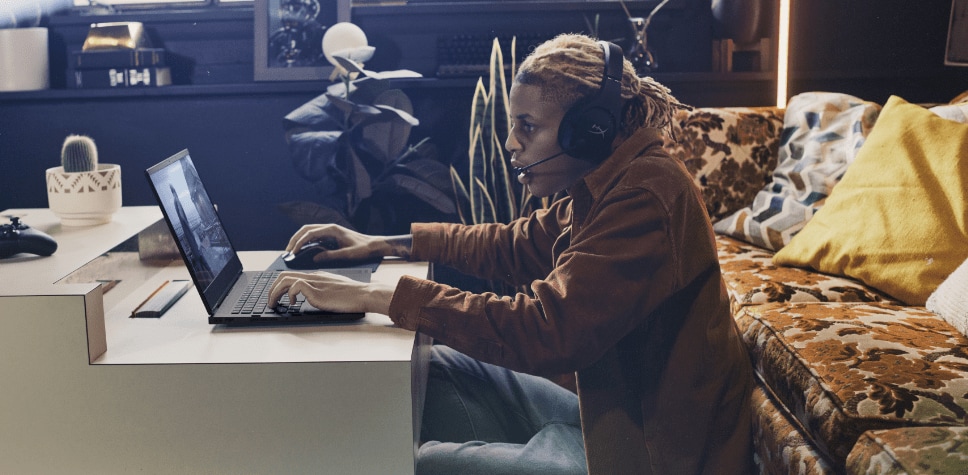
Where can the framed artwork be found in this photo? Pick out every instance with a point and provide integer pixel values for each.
(956, 51)
(289, 38)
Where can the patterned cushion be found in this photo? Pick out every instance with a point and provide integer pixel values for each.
(752, 278)
(821, 135)
(896, 221)
(730, 152)
(779, 445)
(910, 450)
(843, 369)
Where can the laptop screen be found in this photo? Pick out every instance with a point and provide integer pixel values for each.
(194, 222)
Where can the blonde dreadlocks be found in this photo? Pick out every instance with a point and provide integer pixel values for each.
(569, 67)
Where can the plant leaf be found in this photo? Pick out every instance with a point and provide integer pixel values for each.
(390, 137)
(486, 207)
(425, 192)
(428, 170)
(317, 114)
(478, 108)
(313, 153)
(461, 196)
(363, 188)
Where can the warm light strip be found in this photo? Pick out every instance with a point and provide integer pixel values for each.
(783, 54)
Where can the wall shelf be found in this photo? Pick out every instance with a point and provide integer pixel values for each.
(319, 87)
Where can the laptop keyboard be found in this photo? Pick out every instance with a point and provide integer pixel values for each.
(255, 297)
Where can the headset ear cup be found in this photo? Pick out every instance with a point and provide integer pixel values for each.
(590, 126)
(587, 133)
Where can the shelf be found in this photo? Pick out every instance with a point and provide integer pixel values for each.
(297, 87)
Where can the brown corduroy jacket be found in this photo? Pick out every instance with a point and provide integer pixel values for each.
(628, 295)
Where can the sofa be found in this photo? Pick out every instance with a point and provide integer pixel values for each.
(842, 232)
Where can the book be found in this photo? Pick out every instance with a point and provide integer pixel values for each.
(117, 58)
(119, 77)
(161, 299)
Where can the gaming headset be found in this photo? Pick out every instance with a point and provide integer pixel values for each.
(589, 127)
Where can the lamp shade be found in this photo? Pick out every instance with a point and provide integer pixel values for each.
(342, 36)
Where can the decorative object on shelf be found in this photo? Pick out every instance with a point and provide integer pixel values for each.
(116, 35)
(741, 42)
(349, 41)
(639, 52)
(117, 55)
(351, 144)
(83, 192)
(24, 64)
(740, 20)
(119, 77)
(289, 36)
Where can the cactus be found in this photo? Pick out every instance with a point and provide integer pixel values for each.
(79, 154)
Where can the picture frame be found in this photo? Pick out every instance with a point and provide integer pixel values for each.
(288, 38)
(956, 47)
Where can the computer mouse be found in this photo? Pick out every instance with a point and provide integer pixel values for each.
(303, 258)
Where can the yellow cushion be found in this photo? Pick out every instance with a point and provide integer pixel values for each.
(898, 220)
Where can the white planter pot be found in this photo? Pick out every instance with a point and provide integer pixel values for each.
(84, 198)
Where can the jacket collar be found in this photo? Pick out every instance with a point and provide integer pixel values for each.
(596, 182)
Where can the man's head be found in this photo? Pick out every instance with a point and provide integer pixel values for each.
(557, 81)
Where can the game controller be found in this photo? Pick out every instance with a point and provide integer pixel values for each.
(17, 237)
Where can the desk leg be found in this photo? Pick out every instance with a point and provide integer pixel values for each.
(418, 382)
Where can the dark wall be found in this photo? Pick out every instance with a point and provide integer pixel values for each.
(873, 49)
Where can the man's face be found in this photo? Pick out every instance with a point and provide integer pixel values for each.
(534, 136)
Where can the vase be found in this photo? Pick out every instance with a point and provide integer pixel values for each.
(84, 198)
(24, 64)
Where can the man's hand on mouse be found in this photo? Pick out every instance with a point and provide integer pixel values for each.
(345, 244)
(333, 292)
(339, 243)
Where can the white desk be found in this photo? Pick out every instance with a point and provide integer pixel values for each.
(88, 390)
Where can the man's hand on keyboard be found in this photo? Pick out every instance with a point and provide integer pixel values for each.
(333, 292)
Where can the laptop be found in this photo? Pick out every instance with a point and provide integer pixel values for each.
(230, 295)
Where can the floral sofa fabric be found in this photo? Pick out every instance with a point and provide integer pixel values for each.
(849, 379)
(753, 279)
(843, 369)
(890, 452)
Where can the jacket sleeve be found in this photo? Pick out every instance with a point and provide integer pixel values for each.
(516, 253)
(615, 272)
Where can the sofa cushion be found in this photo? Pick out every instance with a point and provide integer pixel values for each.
(822, 132)
(730, 152)
(950, 300)
(843, 369)
(910, 450)
(752, 278)
(896, 221)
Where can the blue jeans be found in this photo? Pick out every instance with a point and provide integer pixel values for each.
(481, 418)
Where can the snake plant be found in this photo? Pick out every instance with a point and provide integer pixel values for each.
(490, 192)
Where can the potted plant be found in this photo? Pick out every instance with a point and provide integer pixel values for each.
(490, 193)
(82, 192)
(351, 144)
